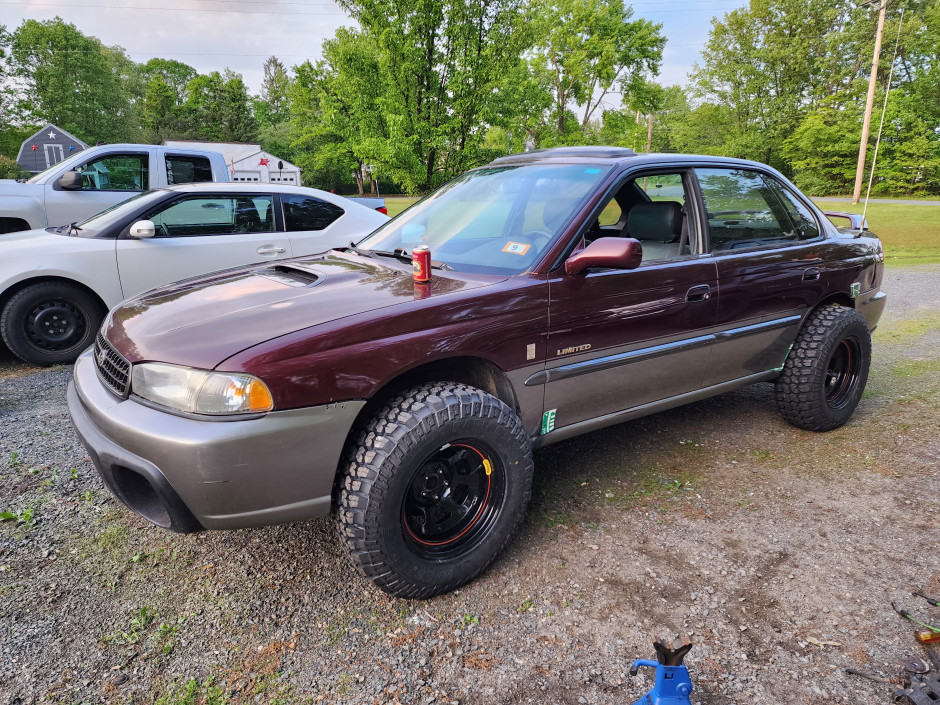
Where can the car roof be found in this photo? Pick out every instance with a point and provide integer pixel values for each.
(613, 155)
(248, 187)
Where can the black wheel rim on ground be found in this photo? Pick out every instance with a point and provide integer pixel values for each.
(453, 500)
(54, 325)
(842, 373)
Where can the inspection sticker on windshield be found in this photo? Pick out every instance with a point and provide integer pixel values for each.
(516, 248)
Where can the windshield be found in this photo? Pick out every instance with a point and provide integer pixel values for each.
(74, 159)
(109, 216)
(494, 220)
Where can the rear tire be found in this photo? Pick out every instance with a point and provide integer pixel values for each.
(50, 323)
(439, 480)
(825, 373)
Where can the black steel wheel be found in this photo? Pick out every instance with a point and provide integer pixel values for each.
(453, 499)
(432, 492)
(50, 322)
(825, 373)
(842, 373)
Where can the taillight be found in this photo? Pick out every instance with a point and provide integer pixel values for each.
(383, 210)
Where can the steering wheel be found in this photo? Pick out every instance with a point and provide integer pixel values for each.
(538, 238)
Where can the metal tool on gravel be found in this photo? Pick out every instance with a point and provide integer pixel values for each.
(923, 692)
(930, 600)
(908, 615)
(673, 684)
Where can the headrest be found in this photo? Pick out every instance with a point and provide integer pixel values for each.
(555, 213)
(659, 221)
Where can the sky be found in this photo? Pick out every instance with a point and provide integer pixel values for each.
(211, 35)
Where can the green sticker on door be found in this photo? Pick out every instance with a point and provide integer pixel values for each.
(548, 421)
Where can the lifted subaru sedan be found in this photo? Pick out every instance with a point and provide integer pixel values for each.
(570, 289)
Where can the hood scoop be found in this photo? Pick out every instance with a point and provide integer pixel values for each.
(289, 275)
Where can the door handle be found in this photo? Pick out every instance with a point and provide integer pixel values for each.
(811, 274)
(271, 250)
(702, 292)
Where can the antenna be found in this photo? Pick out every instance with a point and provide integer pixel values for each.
(884, 108)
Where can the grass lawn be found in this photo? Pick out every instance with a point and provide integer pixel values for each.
(396, 204)
(911, 234)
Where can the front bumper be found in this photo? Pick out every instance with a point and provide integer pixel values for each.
(186, 475)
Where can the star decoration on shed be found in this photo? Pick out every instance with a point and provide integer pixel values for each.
(264, 161)
(51, 135)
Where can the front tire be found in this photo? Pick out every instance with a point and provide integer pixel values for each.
(431, 495)
(825, 373)
(50, 323)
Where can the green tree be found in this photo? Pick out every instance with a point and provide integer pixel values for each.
(72, 80)
(273, 106)
(587, 48)
(439, 65)
(217, 108)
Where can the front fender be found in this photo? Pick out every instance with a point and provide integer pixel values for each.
(27, 207)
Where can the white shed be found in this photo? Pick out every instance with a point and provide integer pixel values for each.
(247, 162)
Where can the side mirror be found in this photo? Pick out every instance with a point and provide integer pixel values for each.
(143, 229)
(606, 252)
(70, 181)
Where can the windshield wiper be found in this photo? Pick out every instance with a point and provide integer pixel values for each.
(352, 248)
(402, 255)
(74, 226)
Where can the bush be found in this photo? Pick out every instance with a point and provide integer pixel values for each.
(9, 169)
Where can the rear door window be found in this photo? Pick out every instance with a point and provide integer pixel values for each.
(743, 213)
(308, 213)
(187, 169)
(801, 216)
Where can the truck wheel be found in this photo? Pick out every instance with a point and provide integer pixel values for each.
(825, 373)
(434, 489)
(50, 322)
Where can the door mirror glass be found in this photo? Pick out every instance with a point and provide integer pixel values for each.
(607, 253)
(70, 181)
(143, 229)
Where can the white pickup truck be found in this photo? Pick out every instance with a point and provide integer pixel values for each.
(98, 178)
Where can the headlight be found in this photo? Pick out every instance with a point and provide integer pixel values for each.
(200, 391)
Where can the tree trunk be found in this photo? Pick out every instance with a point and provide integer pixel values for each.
(371, 184)
(359, 179)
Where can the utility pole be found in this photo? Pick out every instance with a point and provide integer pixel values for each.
(866, 124)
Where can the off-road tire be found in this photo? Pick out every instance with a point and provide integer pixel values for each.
(391, 454)
(810, 392)
(83, 310)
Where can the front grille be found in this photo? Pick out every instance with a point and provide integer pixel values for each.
(112, 368)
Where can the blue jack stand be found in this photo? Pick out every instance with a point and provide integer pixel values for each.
(673, 685)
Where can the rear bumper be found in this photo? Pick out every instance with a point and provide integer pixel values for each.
(186, 475)
(871, 304)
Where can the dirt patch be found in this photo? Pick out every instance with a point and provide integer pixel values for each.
(777, 550)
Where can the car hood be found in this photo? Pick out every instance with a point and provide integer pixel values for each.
(201, 322)
(10, 187)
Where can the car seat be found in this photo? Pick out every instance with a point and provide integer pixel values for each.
(658, 225)
(247, 219)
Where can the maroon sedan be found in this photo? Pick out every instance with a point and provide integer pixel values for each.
(570, 289)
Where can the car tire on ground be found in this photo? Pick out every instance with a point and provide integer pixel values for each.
(431, 494)
(826, 371)
(50, 322)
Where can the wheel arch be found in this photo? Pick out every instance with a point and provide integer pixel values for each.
(466, 369)
(840, 298)
(9, 224)
(475, 371)
(8, 293)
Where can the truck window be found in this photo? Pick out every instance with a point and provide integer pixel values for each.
(116, 172)
(187, 170)
(305, 213)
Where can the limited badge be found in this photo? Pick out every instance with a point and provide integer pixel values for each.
(548, 421)
(516, 248)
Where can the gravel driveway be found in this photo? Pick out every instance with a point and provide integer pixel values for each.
(777, 550)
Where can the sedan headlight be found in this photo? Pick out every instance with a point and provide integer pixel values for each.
(200, 391)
